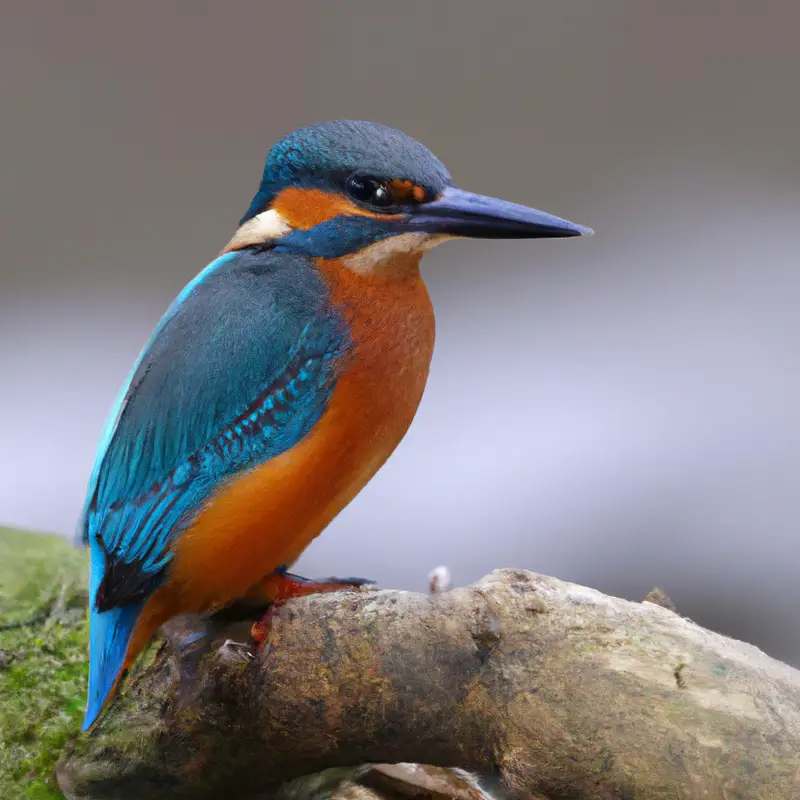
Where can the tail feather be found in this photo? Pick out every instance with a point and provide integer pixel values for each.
(109, 636)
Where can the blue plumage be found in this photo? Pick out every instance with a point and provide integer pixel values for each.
(238, 371)
(324, 155)
(337, 237)
(109, 634)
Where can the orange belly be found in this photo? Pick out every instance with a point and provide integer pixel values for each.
(268, 516)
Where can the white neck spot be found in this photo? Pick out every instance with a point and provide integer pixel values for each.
(381, 254)
(266, 225)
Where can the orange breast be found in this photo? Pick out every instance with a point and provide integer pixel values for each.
(267, 517)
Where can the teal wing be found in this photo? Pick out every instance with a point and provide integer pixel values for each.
(238, 371)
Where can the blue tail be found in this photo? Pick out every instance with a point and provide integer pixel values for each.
(109, 634)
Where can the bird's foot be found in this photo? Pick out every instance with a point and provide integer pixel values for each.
(260, 630)
(281, 586)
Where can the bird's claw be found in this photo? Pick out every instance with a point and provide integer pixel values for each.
(282, 586)
(261, 629)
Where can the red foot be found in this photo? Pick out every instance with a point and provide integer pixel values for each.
(280, 586)
(260, 630)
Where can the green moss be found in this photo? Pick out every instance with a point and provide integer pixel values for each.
(43, 666)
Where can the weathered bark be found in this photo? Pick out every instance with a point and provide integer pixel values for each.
(558, 690)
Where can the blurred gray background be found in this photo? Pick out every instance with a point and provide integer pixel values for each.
(641, 387)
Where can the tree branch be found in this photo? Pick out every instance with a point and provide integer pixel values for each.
(557, 690)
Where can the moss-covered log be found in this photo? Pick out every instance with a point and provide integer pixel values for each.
(558, 690)
(43, 639)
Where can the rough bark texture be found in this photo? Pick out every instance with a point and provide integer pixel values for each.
(557, 690)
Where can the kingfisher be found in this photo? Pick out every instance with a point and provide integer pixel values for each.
(275, 386)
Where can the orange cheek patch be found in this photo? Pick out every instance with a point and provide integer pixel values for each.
(307, 208)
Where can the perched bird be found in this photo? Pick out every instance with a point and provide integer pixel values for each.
(275, 386)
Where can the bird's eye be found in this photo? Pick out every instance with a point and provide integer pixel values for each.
(384, 194)
(370, 191)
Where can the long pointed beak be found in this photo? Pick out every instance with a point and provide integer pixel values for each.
(459, 213)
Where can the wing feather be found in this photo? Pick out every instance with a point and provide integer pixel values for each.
(238, 371)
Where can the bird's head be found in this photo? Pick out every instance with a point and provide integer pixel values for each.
(364, 193)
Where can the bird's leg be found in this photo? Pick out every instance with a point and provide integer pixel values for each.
(280, 586)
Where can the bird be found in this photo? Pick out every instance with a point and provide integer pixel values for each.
(275, 386)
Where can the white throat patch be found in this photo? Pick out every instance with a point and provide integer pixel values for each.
(382, 253)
